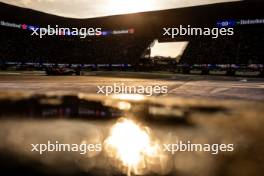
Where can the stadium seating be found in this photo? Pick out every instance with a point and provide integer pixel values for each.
(245, 47)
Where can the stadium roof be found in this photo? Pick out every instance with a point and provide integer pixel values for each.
(91, 8)
(145, 23)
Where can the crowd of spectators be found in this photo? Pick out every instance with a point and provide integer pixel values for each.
(244, 47)
(20, 46)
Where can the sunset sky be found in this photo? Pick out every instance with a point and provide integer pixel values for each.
(96, 8)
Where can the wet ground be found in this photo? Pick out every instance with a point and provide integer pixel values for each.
(178, 85)
(200, 109)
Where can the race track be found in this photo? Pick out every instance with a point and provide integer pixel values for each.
(178, 85)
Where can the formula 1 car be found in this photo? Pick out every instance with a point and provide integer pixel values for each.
(62, 71)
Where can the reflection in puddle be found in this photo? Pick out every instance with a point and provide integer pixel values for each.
(132, 97)
(133, 149)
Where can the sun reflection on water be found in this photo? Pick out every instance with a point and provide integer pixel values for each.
(133, 148)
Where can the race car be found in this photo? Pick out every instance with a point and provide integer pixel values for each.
(62, 71)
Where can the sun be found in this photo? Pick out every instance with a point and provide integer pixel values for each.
(129, 6)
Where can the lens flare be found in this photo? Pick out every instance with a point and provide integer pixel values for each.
(132, 147)
(129, 6)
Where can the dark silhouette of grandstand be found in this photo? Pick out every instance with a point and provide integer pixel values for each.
(244, 47)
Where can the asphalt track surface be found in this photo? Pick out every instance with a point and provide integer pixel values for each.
(190, 86)
(202, 121)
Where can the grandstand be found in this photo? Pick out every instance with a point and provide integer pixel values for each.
(17, 45)
(245, 47)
